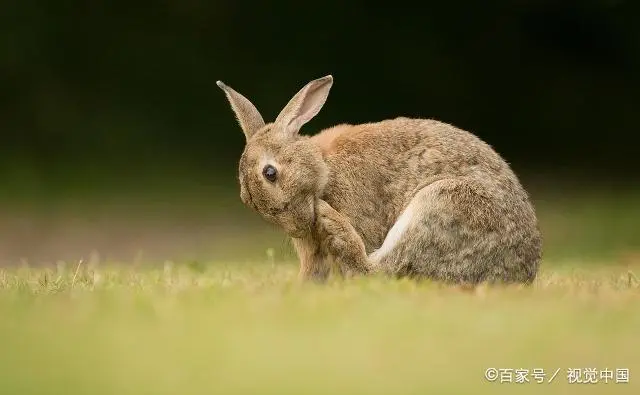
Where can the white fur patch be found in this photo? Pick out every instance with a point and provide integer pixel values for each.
(394, 235)
(267, 159)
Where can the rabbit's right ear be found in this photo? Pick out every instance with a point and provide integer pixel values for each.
(247, 114)
(305, 105)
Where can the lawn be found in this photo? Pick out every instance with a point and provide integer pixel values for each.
(229, 317)
(194, 328)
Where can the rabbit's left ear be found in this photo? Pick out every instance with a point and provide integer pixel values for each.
(305, 105)
(247, 114)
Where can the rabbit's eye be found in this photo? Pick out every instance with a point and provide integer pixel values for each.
(270, 173)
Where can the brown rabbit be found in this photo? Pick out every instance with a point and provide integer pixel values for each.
(406, 197)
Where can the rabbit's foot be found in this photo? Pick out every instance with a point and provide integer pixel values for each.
(313, 266)
(340, 240)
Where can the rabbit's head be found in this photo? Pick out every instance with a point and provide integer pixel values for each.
(281, 172)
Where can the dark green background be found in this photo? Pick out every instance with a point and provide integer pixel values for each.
(111, 107)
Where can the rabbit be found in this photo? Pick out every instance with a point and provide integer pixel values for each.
(405, 197)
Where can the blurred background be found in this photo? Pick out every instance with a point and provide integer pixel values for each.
(116, 143)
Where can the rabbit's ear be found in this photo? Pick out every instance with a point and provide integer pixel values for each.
(304, 105)
(247, 114)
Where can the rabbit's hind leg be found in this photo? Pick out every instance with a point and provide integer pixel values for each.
(393, 239)
(459, 230)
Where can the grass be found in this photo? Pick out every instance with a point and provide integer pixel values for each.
(251, 328)
(241, 324)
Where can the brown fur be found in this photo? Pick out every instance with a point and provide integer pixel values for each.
(340, 193)
(328, 140)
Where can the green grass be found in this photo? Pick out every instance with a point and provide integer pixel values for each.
(253, 329)
(241, 323)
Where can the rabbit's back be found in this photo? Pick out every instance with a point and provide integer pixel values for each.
(375, 170)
